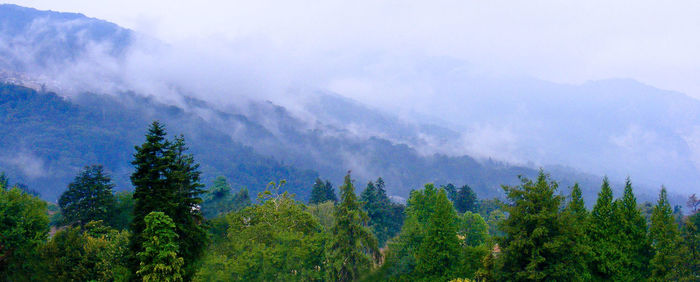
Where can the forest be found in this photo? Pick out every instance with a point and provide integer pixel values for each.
(173, 227)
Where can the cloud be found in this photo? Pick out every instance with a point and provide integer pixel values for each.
(27, 163)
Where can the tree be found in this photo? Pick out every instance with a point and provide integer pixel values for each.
(123, 213)
(633, 240)
(535, 239)
(473, 229)
(693, 203)
(602, 231)
(275, 240)
(575, 219)
(166, 180)
(664, 240)
(159, 260)
(219, 199)
(439, 253)
(451, 191)
(466, 200)
(88, 198)
(400, 261)
(385, 217)
(690, 250)
(353, 248)
(322, 192)
(24, 226)
(93, 253)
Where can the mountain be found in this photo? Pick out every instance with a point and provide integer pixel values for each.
(51, 130)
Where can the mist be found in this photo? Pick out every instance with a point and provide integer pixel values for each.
(513, 85)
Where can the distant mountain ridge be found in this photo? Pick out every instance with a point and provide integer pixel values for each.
(258, 143)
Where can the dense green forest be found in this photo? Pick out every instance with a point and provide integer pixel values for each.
(174, 228)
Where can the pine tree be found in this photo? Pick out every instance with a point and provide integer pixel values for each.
(439, 253)
(575, 218)
(602, 231)
(353, 247)
(167, 180)
(664, 240)
(322, 192)
(535, 240)
(187, 216)
(89, 197)
(384, 218)
(466, 200)
(633, 240)
(159, 260)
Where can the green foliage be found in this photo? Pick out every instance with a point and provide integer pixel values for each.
(159, 260)
(535, 240)
(632, 238)
(353, 247)
(385, 217)
(690, 249)
(123, 211)
(88, 198)
(603, 231)
(473, 229)
(466, 200)
(665, 241)
(400, 261)
(24, 225)
(277, 240)
(575, 219)
(322, 192)
(439, 254)
(325, 213)
(219, 200)
(96, 252)
(166, 180)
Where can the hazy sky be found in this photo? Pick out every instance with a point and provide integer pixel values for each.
(655, 42)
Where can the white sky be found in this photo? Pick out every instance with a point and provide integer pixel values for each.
(655, 42)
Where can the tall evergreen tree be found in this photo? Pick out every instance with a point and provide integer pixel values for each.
(466, 200)
(159, 260)
(322, 192)
(89, 197)
(439, 253)
(353, 248)
(384, 220)
(575, 218)
(166, 179)
(535, 240)
(665, 241)
(400, 259)
(602, 231)
(633, 240)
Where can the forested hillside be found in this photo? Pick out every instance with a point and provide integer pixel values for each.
(49, 138)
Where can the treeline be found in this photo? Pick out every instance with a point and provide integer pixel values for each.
(172, 229)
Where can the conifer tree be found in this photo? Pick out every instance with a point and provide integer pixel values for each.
(439, 253)
(322, 192)
(89, 197)
(167, 180)
(466, 200)
(535, 240)
(353, 248)
(602, 232)
(633, 239)
(664, 240)
(159, 260)
(383, 218)
(575, 218)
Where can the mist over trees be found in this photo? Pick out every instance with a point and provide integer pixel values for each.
(173, 229)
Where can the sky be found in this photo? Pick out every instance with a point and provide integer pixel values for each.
(654, 42)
